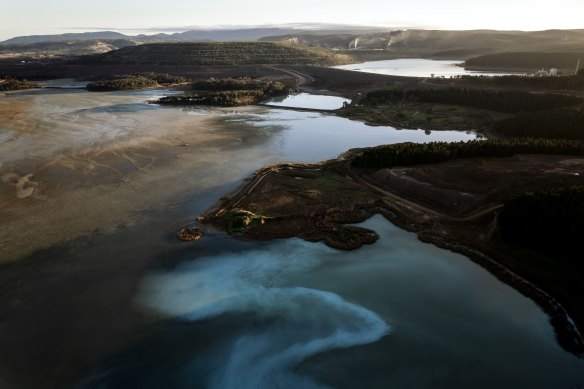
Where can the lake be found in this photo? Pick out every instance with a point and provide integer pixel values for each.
(308, 100)
(110, 298)
(418, 67)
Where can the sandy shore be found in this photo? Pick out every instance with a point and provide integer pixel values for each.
(73, 164)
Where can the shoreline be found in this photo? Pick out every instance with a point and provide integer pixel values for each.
(404, 213)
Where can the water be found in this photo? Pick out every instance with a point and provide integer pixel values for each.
(314, 137)
(417, 67)
(144, 310)
(307, 100)
(66, 83)
(290, 314)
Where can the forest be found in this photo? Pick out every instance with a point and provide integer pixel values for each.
(243, 83)
(405, 154)
(13, 84)
(551, 221)
(134, 81)
(565, 122)
(575, 82)
(221, 98)
(501, 101)
(526, 60)
(227, 92)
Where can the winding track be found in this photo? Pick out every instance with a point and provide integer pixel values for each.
(302, 78)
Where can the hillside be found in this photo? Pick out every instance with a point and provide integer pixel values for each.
(212, 34)
(527, 61)
(361, 44)
(492, 40)
(66, 48)
(331, 41)
(440, 43)
(217, 53)
(25, 40)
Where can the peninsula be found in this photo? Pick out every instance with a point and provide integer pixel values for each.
(451, 194)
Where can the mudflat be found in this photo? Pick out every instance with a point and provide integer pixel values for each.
(74, 163)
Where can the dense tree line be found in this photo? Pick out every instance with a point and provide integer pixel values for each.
(566, 123)
(551, 221)
(525, 60)
(502, 101)
(403, 154)
(12, 84)
(244, 83)
(127, 83)
(134, 81)
(221, 98)
(546, 83)
(227, 92)
(162, 78)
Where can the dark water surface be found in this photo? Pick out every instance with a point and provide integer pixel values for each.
(400, 313)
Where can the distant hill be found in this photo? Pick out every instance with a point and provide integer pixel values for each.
(225, 35)
(217, 53)
(218, 34)
(461, 44)
(65, 48)
(25, 40)
(360, 42)
(490, 40)
(331, 41)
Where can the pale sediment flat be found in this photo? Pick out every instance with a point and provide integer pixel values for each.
(73, 163)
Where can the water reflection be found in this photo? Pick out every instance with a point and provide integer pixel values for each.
(417, 67)
(307, 100)
(313, 137)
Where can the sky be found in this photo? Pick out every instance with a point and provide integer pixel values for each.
(34, 17)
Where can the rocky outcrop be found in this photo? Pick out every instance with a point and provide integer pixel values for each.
(189, 234)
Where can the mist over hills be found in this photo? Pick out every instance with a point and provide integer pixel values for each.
(24, 40)
(362, 43)
(213, 34)
(481, 41)
(64, 48)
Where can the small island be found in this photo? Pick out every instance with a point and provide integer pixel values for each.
(227, 92)
(135, 81)
(12, 84)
